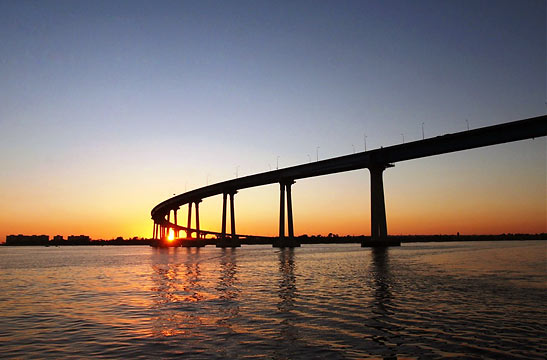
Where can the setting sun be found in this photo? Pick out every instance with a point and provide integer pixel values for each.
(171, 235)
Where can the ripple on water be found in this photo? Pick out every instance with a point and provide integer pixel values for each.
(333, 302)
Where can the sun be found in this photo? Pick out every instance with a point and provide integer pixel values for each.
(171, 235)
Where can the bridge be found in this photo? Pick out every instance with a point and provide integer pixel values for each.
(376, 161)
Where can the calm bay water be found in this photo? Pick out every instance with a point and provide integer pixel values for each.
(458, 300)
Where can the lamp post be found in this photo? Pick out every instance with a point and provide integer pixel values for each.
(423, 134)
(277, 164)
(317, 153)
(467, 121)
(403, 135)
(365, 141)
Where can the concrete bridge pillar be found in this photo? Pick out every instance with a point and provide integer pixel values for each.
(232, 242)
(189, 223)
(196, 204)
(289, 209)
(378, 229)
(176, 222)
(282, 241)
(232, 215)
(282, 211)
(223, 230)
(378, 223)
(168, 228)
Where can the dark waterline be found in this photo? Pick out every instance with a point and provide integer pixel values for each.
(461, 300)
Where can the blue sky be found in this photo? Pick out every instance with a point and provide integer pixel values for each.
(142, 99)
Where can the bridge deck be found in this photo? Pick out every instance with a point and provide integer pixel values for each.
(486, 136)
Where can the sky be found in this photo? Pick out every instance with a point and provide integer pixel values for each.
(109, 107)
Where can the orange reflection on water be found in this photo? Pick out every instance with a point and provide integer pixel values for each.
(193, 293)
(179, 291)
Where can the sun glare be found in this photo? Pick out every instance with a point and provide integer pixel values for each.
(171, 235)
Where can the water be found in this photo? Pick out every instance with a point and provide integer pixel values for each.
(459, 300)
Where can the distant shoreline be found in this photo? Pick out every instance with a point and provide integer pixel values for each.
(305, 239)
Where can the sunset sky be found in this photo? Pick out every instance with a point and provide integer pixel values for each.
(110, 107)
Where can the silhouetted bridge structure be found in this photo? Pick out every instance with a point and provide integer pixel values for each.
(376, 161)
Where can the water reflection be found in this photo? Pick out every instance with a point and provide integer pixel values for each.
(386, 333)
(138, 302)
(287, 283)
(227, 288)
(287, 297)
(176, 289)
(382, 280)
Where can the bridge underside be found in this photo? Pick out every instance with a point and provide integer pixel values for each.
(197, 237)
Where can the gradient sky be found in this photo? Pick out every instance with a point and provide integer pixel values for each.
(108, 108)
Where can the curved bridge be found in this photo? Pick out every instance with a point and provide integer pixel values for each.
(376, 161)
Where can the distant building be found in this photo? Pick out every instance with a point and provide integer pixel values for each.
(78, 239)
(58, 240)
(38, 240)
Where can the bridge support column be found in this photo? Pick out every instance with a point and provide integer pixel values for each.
(196, 204)
(223, 230)
(189, 223)
(289, 209)
(282, 241)
(233, 241)
(378, 223)
(232, 216)
(167, 228)
(282, 211)
(176, 222)
(190, 241)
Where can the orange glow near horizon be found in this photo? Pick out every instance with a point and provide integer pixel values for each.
(171, 235)
(430, 196)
